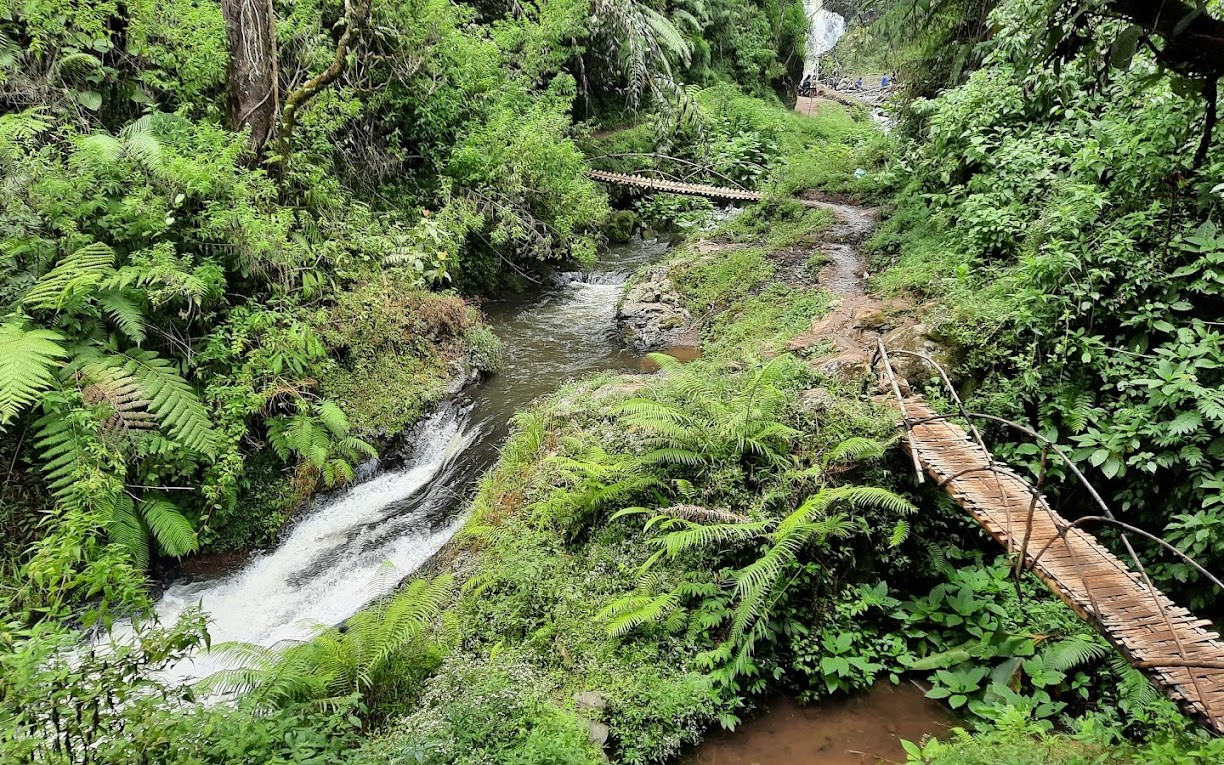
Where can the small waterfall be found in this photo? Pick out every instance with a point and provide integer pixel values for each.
(357, 544)
(350, 548)
(824, 30)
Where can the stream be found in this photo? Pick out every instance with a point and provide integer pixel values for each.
(357, 544)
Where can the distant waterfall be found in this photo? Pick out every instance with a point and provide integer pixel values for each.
(824, 30)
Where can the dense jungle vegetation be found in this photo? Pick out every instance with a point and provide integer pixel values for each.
(243, 246)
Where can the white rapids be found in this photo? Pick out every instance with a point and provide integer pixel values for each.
(350, 548)
(356, 545)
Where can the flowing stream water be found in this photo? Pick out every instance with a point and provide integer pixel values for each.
(357, 544)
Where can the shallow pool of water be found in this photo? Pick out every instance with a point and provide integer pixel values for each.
(861, 730)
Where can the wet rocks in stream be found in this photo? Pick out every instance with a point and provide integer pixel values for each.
(651, 315)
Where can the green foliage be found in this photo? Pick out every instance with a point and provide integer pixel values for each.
(710, 427)
(1073, 247)
(27, 360)
(375, 662)
(783, 542)
(319, 438)
(485, 717)
(1017, 741)
(67, 703)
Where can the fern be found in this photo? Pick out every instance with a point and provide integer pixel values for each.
(336, 664)
(125, 311)
(174, 534)
(626, 614)
(1071, 652)
(699, 514)
(143, 142)
(28, 358)
(756, 588)
(119, 392)
(172, 400)
(125, 529)
(75, 276)
(1137, 691)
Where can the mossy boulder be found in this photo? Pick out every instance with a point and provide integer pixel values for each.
(620, 225)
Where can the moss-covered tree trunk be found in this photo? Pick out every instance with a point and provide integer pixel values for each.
(254, 93)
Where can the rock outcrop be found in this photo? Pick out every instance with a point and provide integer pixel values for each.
(905, 341)
(652, 314)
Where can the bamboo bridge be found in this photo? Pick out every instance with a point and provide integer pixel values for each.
(690, 189)
(1178, 652)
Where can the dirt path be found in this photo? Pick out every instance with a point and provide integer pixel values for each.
(857, 319)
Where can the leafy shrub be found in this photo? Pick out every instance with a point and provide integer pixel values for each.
(1074, 248)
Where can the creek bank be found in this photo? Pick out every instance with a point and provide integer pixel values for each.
(356, 544)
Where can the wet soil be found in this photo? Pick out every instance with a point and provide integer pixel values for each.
(862, 730)
(854, 323)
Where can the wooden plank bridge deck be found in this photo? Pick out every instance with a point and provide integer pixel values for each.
(690, 189)
(1176, 650)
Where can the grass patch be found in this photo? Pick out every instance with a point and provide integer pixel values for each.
(766, 321)
(716, 281)
(776, 224)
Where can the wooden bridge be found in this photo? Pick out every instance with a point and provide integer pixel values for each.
(1177, 651)
(689, 189)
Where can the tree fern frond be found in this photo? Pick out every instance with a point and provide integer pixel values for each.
(699, 514)
(697, 536)
(172, 400)
(27, 360)
(76, 275)
(673, 456)
(125, 312)
(665, 362)
(99, 149)
(409, 614)
(860, 497)
(125, 529)
(174, 534)
(630, 613)
(1137, 690)
(853, 450)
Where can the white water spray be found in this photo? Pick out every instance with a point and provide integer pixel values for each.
(348, 550)
(825, 28)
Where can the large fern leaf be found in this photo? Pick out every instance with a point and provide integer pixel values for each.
(173, 533)
(125, 311)
(28, 358)
(125, 529)
(75, 276)
(172, 400)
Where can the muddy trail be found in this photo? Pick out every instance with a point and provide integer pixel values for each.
(856, 320)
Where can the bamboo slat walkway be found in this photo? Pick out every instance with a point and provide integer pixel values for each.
(1167, 642)
(690, 189)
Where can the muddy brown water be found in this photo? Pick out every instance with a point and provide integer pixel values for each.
(681, 353)
(861, 730)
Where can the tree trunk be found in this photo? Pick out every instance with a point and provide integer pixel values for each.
(254, 90)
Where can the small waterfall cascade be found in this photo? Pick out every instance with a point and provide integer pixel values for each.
(825, 28)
